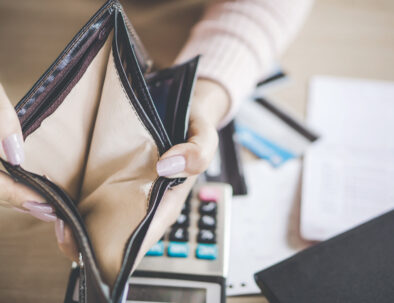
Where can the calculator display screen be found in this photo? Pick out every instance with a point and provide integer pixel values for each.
(168, 294)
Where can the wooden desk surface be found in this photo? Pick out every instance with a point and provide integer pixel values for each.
(341, 37)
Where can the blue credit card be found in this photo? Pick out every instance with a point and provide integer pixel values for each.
(262, 147)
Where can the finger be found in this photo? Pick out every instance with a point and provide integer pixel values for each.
(65, 240)
(193, 157)
(16, 194)
(10, 132)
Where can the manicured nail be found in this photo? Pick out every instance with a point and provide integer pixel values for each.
(13, 149)
(38, 207)
(171, 166)
(43, 216)
(59, 230)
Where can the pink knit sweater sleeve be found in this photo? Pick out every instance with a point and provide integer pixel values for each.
(240, 40)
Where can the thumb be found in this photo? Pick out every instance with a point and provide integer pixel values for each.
(194, 156)
(10, 132)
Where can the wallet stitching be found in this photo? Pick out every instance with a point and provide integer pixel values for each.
(132, 106)
(62, 57)
(150, 194)
(142, 88)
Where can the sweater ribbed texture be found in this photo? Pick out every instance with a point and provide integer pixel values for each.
(240, 41)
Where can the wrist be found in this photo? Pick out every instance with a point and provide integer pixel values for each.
(210, 101)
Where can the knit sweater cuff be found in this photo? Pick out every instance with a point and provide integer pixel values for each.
(226, 61)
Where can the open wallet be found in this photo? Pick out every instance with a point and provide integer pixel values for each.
(95, 125)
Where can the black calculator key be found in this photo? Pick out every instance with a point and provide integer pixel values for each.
(182, 221)
(206, 236)
(207, 222)
(179, 234)
(208, 208)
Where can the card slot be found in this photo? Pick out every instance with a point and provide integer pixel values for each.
(171, 90)
(135, 85)
(53, 88)
(59, 93)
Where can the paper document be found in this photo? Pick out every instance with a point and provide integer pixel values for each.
(348, 175)
(264, 224)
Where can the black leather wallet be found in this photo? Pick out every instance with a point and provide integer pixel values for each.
(354, 267)
(95, 125)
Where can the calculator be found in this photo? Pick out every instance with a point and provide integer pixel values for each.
(189, 264)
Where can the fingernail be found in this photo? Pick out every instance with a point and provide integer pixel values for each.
(19, 209)
(171, 166)
(13, 149)
(59, 230)
(43, 216)
(38, 207)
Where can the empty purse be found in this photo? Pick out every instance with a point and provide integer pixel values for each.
(96, 124)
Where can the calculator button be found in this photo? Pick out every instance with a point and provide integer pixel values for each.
(179, 234)
(208, 193)
(156, 250)
(182, 221)
(207, 251)
(178, 249)
(208, 208)
(207, 222)
(206, 236)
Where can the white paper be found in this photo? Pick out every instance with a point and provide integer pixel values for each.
(264, 224)
(349, 174)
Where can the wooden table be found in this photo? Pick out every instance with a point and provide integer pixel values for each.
(341, 37)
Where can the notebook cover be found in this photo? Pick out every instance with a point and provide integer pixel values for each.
(354, 267)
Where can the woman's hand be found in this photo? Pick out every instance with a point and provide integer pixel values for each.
(209, 105)
(15, 195)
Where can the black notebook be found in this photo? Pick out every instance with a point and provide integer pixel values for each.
(354, 267)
